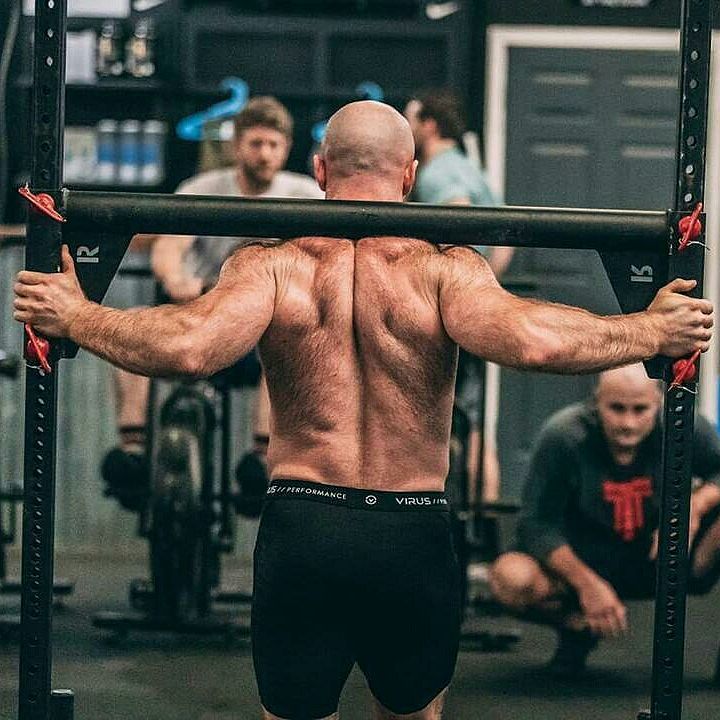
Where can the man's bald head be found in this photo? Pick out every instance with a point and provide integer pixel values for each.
(628, 403)
(630, 380)
(367, 140)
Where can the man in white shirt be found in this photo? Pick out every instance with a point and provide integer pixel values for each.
(263, 137)
(187, 266)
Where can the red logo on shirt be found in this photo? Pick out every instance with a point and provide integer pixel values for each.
(627, 499)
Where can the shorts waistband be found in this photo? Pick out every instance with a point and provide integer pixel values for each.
(356, 498)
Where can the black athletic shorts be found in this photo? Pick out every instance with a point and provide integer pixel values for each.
(345, 576)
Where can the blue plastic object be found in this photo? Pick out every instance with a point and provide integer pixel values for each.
(370, 90)
(367, 90)
(192, 127)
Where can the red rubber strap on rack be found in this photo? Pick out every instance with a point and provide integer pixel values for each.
(690, 227)
(42, 202)
(684, 370)
(37, 350)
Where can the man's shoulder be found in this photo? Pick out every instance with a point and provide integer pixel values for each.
(450, 175)
(704, 426)
(452, 164)
(705, 432)
(265, 254)
(571, 426)
(295, 185)
(463, 170)
(460, 262)
(452, 158)
(460, 254)
(221, 181)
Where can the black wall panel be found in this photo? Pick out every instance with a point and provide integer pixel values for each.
(659, 13)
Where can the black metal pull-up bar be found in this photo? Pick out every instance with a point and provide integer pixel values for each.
(128, 213)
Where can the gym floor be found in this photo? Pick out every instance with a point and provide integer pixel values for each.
(162, 677)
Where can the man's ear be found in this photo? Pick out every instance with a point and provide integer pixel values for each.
(431, 126)
(409, 177)
(320, 169)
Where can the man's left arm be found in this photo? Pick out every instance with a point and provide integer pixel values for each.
(196, 339)
(706, 478)
(706, 468)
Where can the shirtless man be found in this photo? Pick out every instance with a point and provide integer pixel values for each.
(354, 561)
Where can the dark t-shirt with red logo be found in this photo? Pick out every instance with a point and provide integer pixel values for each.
(576, 494)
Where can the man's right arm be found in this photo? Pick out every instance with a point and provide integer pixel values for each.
(166, 259)
(167, 254)
(197, 339)
(529, 334)
(570, 568)
(602, 609)
(541, 529)
(547, 499)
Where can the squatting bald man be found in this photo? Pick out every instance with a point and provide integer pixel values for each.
(587, 532)
(354, 560)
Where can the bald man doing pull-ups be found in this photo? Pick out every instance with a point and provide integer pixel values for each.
(354, 560)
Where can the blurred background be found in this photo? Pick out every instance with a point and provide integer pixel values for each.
(573, 103)
(568, 103)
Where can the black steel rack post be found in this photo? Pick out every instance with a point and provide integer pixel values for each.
(673, 570)
(44, 237)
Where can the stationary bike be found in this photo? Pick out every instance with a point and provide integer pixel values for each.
(188, 518)
(183, 540)
(476, 533)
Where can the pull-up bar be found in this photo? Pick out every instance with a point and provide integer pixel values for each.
(128, 213)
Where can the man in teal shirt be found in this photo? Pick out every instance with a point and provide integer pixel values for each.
(447, 176)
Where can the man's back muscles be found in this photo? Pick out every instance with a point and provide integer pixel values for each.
(357, 351)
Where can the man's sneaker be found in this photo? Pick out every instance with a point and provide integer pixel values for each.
(126, 478)
(570, 658)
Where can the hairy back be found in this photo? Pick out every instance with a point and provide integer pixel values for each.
(360, 368)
